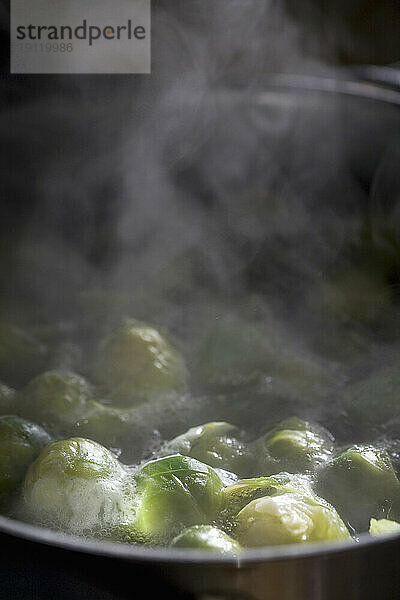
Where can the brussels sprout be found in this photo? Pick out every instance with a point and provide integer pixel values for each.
(7, 399)
(205, 537)
(341, 343)
(294, 446)
(227, 477)
(234, 354)
(65, 353)
(78, 486)
(383, 527)
(289, 518)
(122, 430)
(56, 398)
(356, 296)
(361, 483)
(376, 399)
(111, 427)
(174, 492)
(21, 355)
(216, 444)
(301, 380)
(20, 443)
(136, 362)
(138, 430)
(392, 446)
(236, 496)
(63, 401)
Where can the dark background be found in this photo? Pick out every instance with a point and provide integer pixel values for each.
(337, 33)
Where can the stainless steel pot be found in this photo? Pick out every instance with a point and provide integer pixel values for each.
(37, 563)
(43, 562)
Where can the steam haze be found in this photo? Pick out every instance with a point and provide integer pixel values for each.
(195, 194)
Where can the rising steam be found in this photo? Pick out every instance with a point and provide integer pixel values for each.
(197, 193)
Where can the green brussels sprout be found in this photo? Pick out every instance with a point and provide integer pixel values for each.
(361, 483)
(174, 492)
(376, 399)
(78, 486)
(124, 431)
(383, 527)
(136, 362)
(217, 444)
(20, 443)
(294, 446)
(341, 343)
(109, 426)
(65, 353)
(57, 399)
(289, 518)
(227, 477)
(237, 496)
(7, 399)
(302, 380)
(206, 537)
(392, 446)
(234, 354)
(21, 355)
(356, 296)
(63, 401)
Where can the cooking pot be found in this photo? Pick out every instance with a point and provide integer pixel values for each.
(38, 563)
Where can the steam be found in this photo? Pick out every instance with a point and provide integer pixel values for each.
(111, 164)
(196, 193)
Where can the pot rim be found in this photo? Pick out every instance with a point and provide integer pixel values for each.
(380, 84)
(143, 554)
